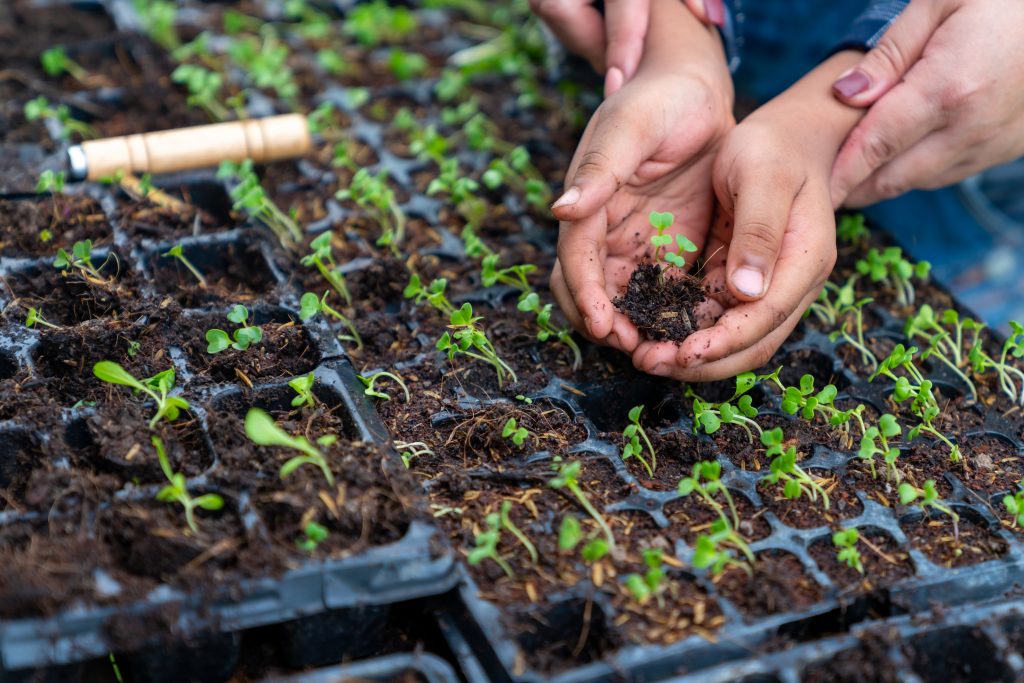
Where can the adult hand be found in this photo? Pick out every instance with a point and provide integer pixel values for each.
(649, 147)
(613, 42)
(946, 90)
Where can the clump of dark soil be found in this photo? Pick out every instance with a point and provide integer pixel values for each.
(662, 308)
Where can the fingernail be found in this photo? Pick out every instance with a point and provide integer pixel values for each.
(613, 81)
(748, 281)
(715, 11)
(852, 83)
(571, 196)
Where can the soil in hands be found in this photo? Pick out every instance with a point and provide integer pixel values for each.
(662, 308)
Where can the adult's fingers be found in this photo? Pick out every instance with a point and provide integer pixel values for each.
(625, 23)
(577, 24)
(894, 55)
(895, 123)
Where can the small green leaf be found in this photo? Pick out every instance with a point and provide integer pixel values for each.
(217, 341)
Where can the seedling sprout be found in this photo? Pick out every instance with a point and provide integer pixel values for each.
(643, 587)
(370, 384)
(313, 534)
(712, 551)
(322, 257)
(796, 481)
(633, 433)
(846, 549)
(567, 477)
(177, 490)
(927, 497)
(1014, 504)
(487, 545)
(177, 252)
(35, 317)
(514, 433)
(158, 387)
(662, 221)
(310, 305)
(263, 431)
(303, 386)
(243, 337)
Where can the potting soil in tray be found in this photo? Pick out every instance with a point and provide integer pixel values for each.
(79, 468)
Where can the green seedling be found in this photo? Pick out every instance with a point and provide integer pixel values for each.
(332, 62)
(889, 267)
(508, 525)
(846, 549)
(1014, 504)
(406, 65)
(570, 535)
(322, 257)
(633, 433)
(248, 195)
(850, 229)
(313, 535)
(796, 481)
(371, 192)
(706, 482)
(370, 384)
(158, 387)
(450, 86)
(643, 587)
(264, 59)
(738, 410)
(567, 477)
(462, 191)
(662, 221)
(806, 402)
(40, 108)
(79, 259)
(243, 337)
(714, 550)
(35, 317)
(177, 252)
(177, 490)
(158, 18)
(410, 450)
(946, 339)
(876, 442)
(530, 303)
(204, 87)
(55, 62)
(517, 171)
(919, 391)
(514, 433)
(51, 181)
(303, 386)
(925, 498)
(263, 431)
(310, 305)
(1009, 375)
(487, 545)
(376, 22)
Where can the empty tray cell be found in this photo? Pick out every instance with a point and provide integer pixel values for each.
(9, 366)
(608, 405)
(38, 227)
(233, 270)
(551, 636)
(960, 654)
(996, 463)
(19, 455)
(778, 584)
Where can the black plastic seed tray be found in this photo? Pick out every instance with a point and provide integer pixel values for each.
(478, 630)
(311, 602)
(404, 668)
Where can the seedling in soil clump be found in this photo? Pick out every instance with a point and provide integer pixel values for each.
(204, 86)
(177, 252)
(927, 497)
(158, 387)
(409, 450)
(487, 546)
(738, 410)
(322, 257)
(1014, 505)
(876, 442)
(568, 477)
(310, 304)
(40, 108)
(514, 433)
(889, 266)
(177, 490)
(313, 534)
(1007, 372)
(303, 386)
(263, 431)
(570, 535)
(713, 550)
(706, 482)
(371, 192)
(846, 549)
(948, 345)
(35, 317)
(248, 195)
(632, 449)
(642, 588)
(55, 62)
(784, 468)
(466, 337)
(661, 307)
(371, 385)
(920, 391)
(244, 337)
(80, 259)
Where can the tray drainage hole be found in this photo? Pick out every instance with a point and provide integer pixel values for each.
(568, 631)
(956, 654)
(8, 366)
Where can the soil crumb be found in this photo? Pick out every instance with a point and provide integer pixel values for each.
(661, 308)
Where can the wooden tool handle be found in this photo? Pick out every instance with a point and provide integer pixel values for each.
(262, 140)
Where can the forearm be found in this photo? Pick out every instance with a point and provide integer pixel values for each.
(677, 40)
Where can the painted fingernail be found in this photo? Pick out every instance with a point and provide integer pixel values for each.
(613, 81)
(715, 11)
(853, 83)
(571, 196)
(749, 281)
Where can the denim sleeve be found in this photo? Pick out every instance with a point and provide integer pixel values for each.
(871, 25)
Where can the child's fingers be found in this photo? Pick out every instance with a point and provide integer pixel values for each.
(577, 24)
(625, 23)
(582, 251)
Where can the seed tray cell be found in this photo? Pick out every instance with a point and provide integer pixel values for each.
(402, 668)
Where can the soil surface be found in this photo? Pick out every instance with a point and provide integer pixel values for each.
(661, 305)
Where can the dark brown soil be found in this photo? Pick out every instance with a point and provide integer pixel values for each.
(884, 562)
(779, 584)
(67, 218)
(868, 663)
(661, 306)
(972, 544)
